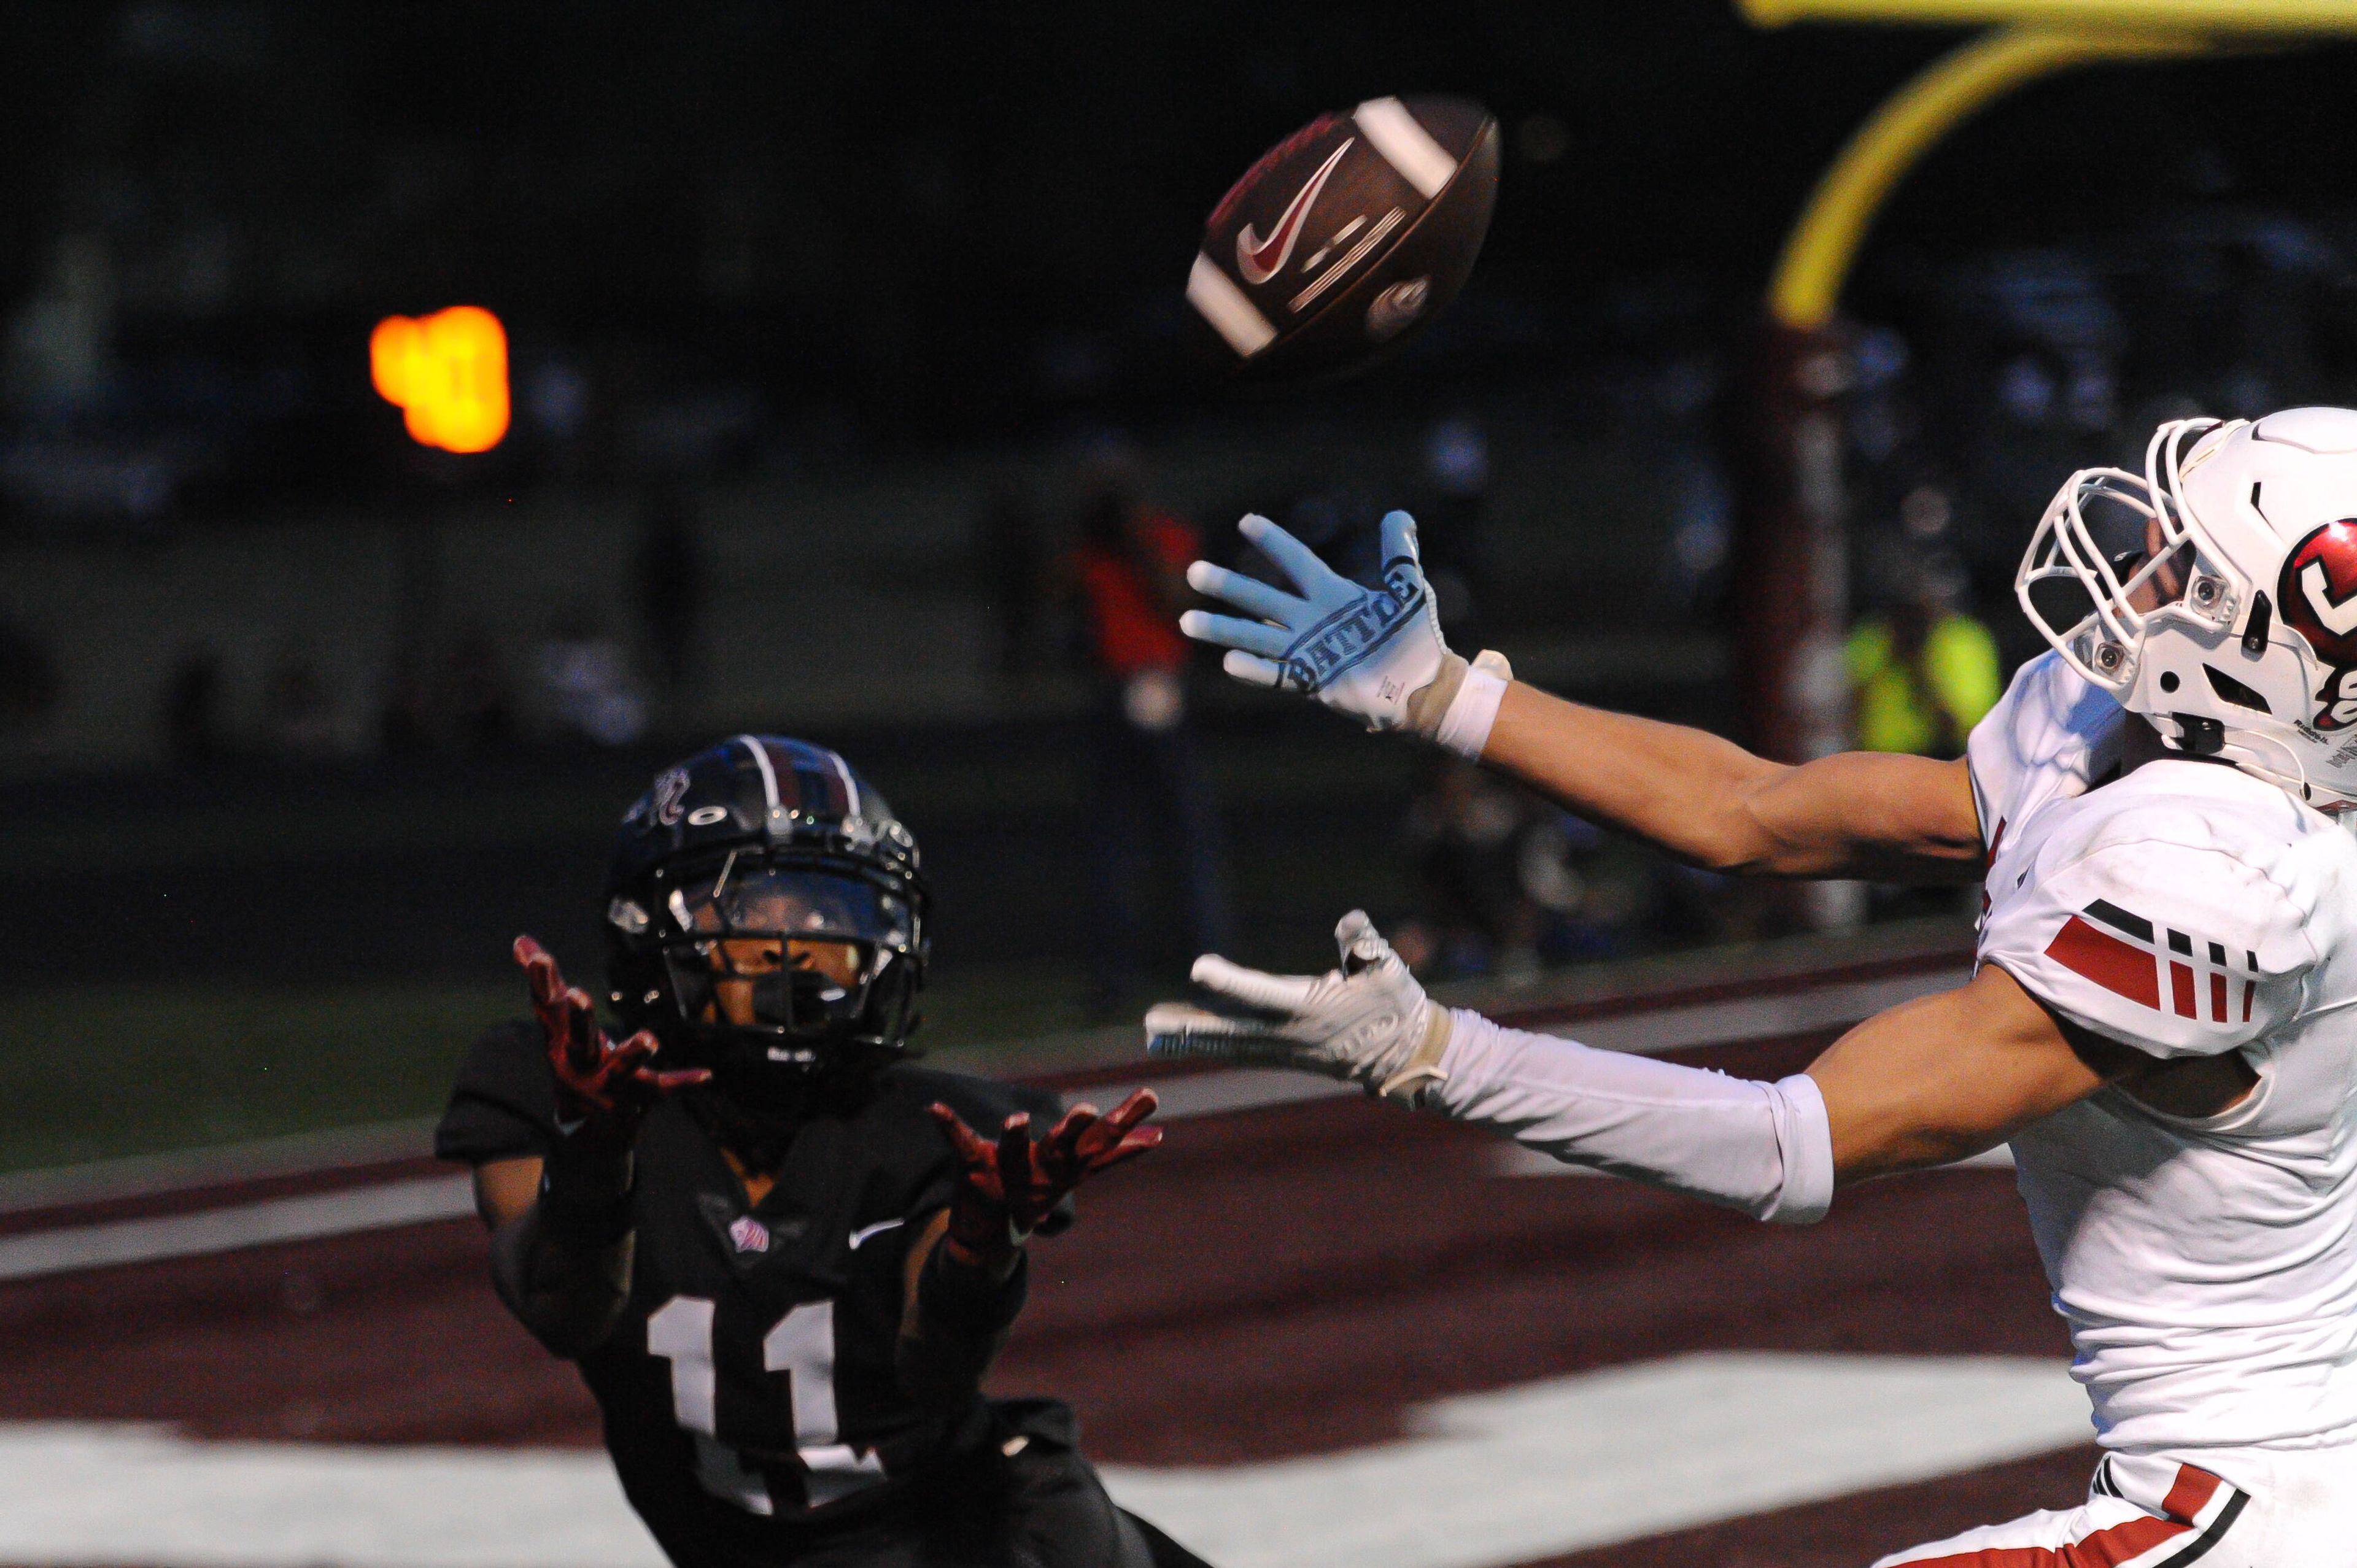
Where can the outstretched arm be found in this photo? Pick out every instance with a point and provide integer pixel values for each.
(1710, 802)
(562, 1243)
(1927, 1082)
(965, 1275)
(1375, 655)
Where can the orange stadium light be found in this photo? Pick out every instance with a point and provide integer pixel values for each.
(448, 374)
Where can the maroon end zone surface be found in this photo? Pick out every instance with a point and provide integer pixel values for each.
(1271, 1283)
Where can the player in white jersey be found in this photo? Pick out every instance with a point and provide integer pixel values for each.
(2160, 1021)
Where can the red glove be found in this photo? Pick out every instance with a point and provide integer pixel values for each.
(1007, 1187)
(602, 1089)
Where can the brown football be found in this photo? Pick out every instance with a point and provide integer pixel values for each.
(1347, 238)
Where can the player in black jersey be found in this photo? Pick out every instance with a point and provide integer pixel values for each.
(784, 1259)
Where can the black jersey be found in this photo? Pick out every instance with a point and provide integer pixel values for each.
(748, 1392)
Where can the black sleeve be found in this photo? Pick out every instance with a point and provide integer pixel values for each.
(503, 1106)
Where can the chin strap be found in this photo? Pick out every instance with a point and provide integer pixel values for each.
(2197, 735)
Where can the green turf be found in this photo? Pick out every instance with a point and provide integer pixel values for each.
(145, 1069)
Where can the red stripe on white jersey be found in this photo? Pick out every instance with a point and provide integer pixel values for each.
(2118, 967)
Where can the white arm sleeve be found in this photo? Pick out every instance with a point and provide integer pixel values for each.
(1765, 1148)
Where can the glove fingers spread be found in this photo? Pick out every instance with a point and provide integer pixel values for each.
(547, 985)
(1362, 946)
(585, 1043)
(1399, 537)
(1145, 1140)
(1070, 1129)
(1231, 631)
(1014, 1155)
(632, 1053)
(1252, 669)
(1108, 1140)
(972, 1152)
(539, 968)
(1249, 595)
(1298, 562)
(1279, 992)
(1141, 1103)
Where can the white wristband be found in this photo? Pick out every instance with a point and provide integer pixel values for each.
(1465, 727)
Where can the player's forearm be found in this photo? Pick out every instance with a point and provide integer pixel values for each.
(1759, 1148)
(569, 1297)
(1711, 804)
(564, 1266)
(1681, 788)
(957, 1321)
(1943, 1077)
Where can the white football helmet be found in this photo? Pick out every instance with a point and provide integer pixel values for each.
(2234, 629)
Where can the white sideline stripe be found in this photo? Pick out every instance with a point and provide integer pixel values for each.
(1756, 1017)
(416, 1201)
(1572, 1463)
(138, 1175)
(40, 1252)
(1233, 315)
(1482, 1481)
(1405, 145)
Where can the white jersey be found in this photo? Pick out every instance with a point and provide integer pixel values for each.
(2207, 1267)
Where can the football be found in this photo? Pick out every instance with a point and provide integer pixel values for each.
(1346, 239)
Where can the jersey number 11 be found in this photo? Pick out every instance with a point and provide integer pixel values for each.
(801, 1346)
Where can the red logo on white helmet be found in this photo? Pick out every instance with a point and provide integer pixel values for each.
(2318, 598)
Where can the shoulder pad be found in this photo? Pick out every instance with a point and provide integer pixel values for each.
(2166, 941)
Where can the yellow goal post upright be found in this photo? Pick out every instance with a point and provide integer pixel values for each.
(1793, 593)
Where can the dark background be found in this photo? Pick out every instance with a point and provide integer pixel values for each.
(833, 277)
(956, 223)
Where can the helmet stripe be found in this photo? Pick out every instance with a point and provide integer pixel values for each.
(850, 785)
(768, 774)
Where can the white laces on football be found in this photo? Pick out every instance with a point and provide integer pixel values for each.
(1364, 651)
(1367, 1022)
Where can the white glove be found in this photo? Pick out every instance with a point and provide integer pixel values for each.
(1365, 652)
(1367, 1022)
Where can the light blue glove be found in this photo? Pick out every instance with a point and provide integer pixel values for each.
(1374, 654)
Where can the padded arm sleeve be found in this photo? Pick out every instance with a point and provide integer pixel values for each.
(1765, 1148)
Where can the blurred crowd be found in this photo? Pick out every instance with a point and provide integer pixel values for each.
(1974, 384)
(585, 679)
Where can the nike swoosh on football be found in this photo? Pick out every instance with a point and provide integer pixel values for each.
(865, 1232)
(1253, 252)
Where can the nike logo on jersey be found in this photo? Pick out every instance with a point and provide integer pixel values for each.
(2120, 952)
(865, 1232)
(1260, 260)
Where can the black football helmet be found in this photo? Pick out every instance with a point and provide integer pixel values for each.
(765, 917)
